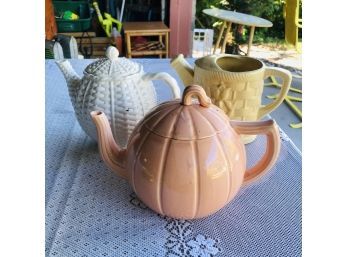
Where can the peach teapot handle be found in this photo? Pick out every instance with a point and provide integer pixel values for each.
(198, 91)
(270, 129)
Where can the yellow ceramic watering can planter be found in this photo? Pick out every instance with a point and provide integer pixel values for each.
(234, 83)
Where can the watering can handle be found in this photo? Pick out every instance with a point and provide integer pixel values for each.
(270, 129)
(286, 77)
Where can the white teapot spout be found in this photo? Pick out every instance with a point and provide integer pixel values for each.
(72, 79)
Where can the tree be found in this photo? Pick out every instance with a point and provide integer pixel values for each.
(271, 10)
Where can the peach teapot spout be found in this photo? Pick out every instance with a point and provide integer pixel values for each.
(112, 154)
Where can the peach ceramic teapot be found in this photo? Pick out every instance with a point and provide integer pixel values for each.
(185, 158)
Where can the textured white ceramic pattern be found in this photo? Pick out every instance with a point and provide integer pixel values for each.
(116, 86)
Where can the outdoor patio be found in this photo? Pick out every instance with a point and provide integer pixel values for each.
(157, 149)
(291, 60)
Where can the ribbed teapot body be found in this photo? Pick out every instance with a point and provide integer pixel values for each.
(185, 161)
(186, 179)
(124, 101)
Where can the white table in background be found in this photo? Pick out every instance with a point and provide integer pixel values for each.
(229, 17)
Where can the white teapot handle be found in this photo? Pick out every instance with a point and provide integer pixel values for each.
(167, 78)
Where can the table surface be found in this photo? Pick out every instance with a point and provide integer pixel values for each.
(152, 26)
(92, 212)
(237, 17)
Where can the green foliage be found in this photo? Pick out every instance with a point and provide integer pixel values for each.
(271, 10)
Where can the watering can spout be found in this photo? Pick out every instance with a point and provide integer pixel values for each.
(183, 69)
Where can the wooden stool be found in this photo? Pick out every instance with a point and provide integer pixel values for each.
(153, 28)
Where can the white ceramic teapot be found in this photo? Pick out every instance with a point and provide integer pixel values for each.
(116, 86)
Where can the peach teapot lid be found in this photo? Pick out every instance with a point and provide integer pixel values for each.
(113, 65)
(188, 119)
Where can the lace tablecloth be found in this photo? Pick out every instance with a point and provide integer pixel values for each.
(92, 212)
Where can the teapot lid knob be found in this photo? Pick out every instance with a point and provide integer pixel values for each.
(112, 53)
(198, 91)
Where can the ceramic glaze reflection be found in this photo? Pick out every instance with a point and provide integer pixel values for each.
(215, 165)
(185, 159)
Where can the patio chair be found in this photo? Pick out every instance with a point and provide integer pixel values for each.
(292, 22)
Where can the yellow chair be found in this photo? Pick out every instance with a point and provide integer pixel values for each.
(292, 24)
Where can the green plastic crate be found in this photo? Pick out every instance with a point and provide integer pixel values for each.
(81, 8)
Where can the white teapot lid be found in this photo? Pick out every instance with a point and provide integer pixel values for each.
(113, 65)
